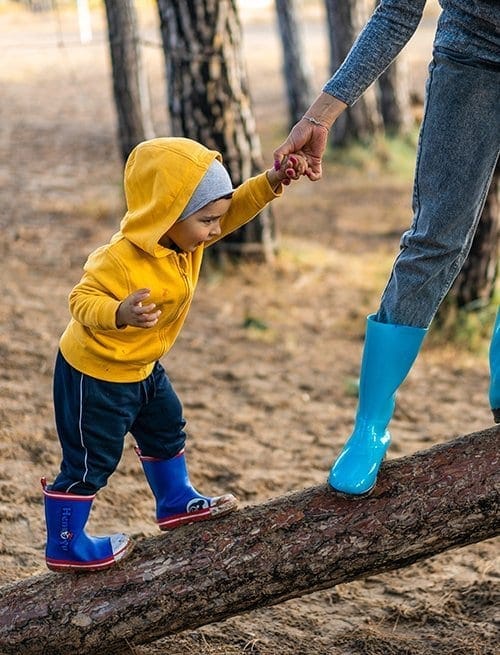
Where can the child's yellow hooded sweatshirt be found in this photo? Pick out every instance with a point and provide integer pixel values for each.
(160, 178)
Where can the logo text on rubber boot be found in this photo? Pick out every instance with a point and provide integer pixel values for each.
(65, 535)
(196, 504)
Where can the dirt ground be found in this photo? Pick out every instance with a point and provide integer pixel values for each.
(268, 359)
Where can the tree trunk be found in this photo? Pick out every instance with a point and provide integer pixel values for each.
(443, 498)
(475, 284)
(209, 101)
(296, 72)
(39, 5)
(129, 79)
(394, 94)
(362, 121)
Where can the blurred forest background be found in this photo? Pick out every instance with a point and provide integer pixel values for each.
(268, 362)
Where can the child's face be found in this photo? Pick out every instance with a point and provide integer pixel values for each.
(200, 227)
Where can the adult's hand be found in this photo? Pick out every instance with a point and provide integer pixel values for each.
(309, 136)
(307, 140)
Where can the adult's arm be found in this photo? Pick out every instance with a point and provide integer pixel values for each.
(388, 30)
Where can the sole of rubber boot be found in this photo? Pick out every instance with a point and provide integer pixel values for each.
(349, 496)
(60, 566)
(221, 505)
(366, 493)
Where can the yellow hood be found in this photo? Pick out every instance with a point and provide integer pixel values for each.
(160, 178)
(161, 175)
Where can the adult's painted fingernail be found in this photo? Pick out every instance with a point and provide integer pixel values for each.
(277, 164)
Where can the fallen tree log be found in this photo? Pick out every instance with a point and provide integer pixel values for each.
(438, 499)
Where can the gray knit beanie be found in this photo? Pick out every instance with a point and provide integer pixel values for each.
(215, 184)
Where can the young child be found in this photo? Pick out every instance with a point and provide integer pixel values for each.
(127, 311)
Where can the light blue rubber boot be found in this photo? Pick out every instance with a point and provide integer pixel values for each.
(177, 502)
(69, 547)
(495, 370)
(388, 355)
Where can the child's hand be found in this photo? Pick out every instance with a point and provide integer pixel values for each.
(132, 312)
(290, 168)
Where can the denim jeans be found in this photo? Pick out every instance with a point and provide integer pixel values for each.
(458, 148)
(93, 416)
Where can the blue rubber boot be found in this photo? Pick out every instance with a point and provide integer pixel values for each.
(495, 370)
(388, 355)
(69, 547)
(177, 502)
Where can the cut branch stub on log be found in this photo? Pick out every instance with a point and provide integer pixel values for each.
(438, 499)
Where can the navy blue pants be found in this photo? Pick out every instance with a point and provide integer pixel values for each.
(93, 416)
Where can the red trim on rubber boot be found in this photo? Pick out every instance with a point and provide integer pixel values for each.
(171, 522)
(61, 565)
(63, 494)
(221, 505)
(148, 458)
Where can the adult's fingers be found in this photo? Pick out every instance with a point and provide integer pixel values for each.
(282, 151)
(299, 136)
(314, 172)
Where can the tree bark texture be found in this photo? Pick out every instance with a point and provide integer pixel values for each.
(438, 499)
(394, 98)
(363, 120)
(296, 72)
(130, 87)
(475, 284)
(209, 99)
(39, 5)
